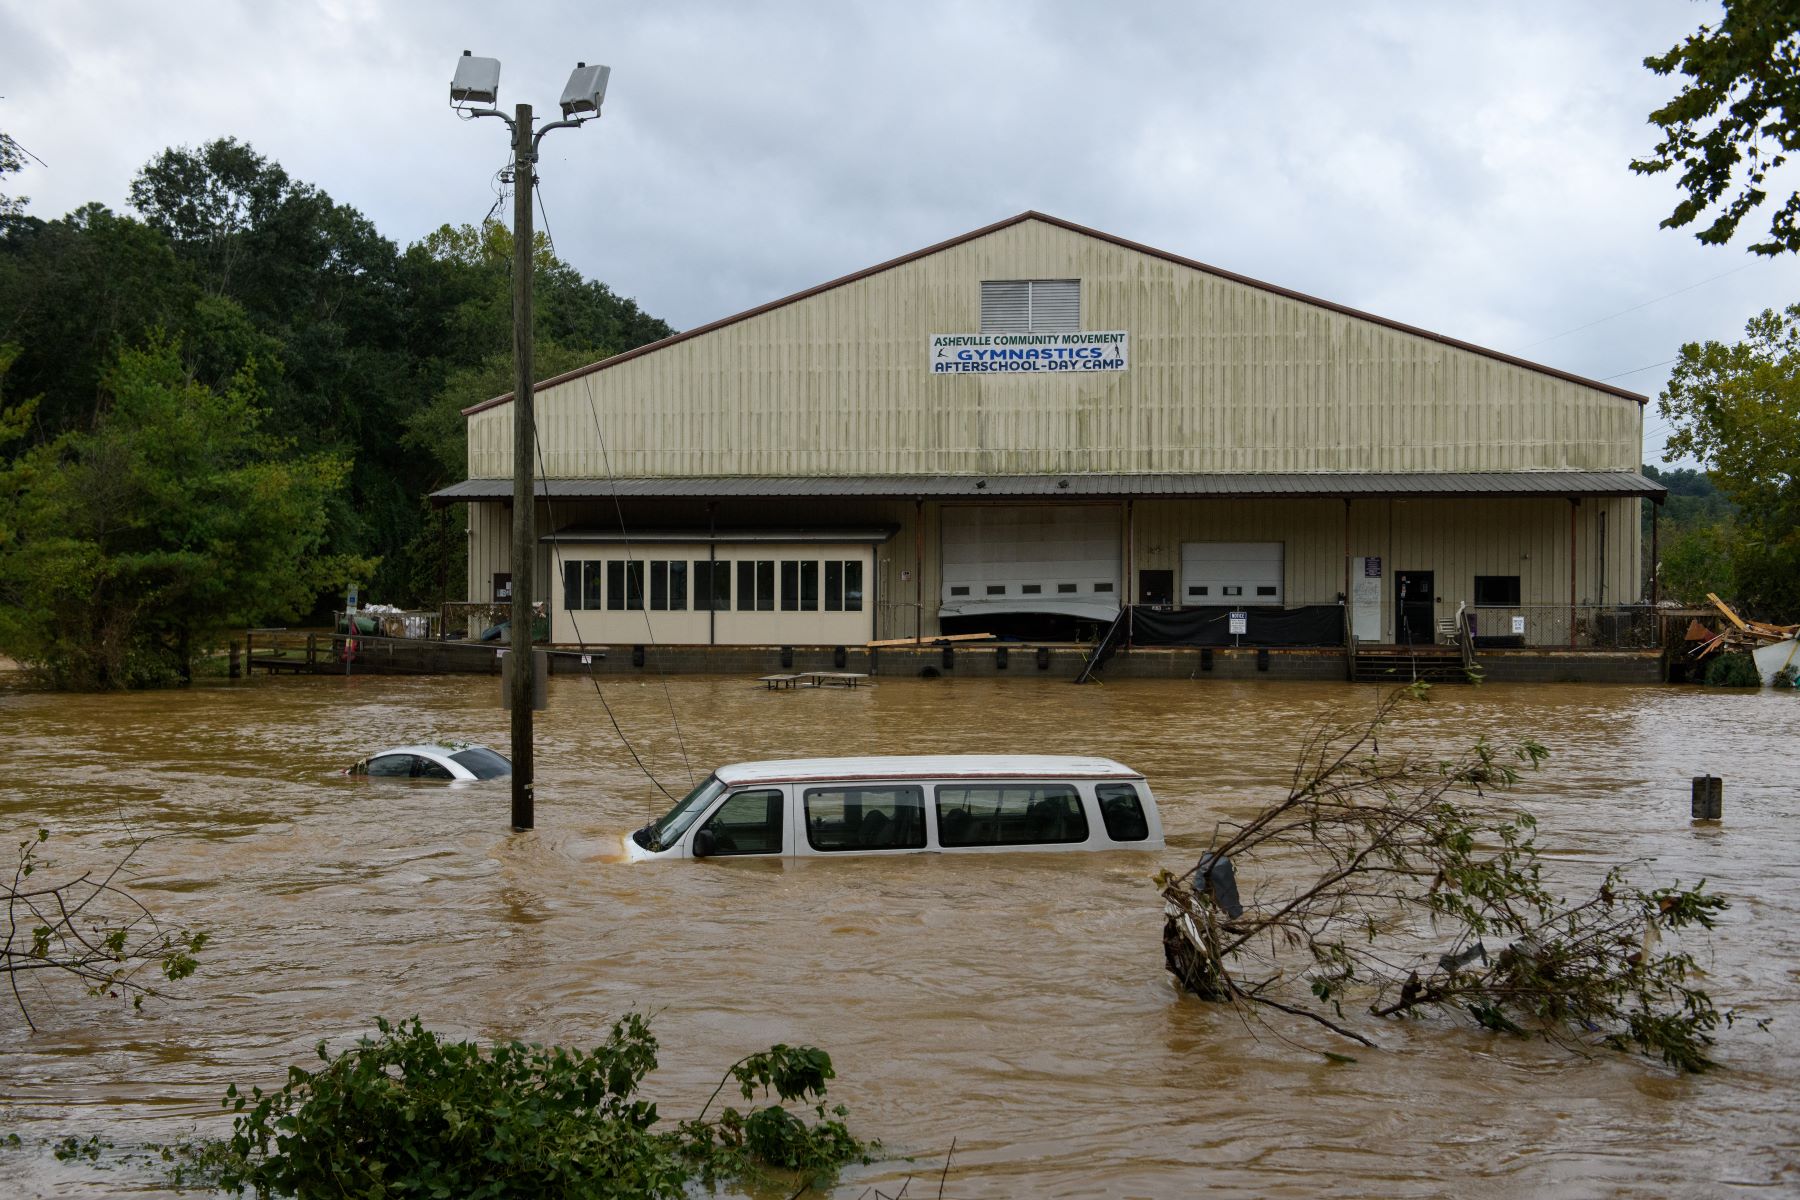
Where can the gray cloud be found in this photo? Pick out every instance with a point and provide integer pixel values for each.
(1462, 169)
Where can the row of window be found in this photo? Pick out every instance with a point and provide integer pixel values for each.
(1231, 589)
(619, 584)
(893, 818)
(1027, 589)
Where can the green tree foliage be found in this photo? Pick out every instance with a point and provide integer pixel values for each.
(134, 547)
(1736, 119)
(364, 353)
(1737, 408)
(1697, 528)
(411, 1114)
(12, 161)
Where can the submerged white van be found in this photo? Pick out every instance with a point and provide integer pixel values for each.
(907, 805)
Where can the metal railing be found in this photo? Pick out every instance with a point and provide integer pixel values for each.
(1580, 626)
(417, 623)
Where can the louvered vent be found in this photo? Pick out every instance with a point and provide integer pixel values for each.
(1030, 305)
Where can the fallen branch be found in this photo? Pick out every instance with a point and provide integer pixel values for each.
(1413, 900)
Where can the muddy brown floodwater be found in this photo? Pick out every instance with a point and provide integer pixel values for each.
(1017, 1004)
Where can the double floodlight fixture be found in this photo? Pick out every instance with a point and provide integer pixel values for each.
(477, 82)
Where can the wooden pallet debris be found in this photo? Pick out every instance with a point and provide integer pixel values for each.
(1748, 636)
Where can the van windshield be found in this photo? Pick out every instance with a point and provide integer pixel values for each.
(660, 835)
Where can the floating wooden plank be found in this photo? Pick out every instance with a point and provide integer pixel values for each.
(1726, 609)
(932, 641)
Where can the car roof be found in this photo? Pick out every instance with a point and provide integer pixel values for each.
(926, 766)
(438, 749)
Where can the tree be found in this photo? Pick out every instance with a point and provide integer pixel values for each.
(133, 548)
(12, 161)
(1737, 408)
(1736, 119)
(89, 928)
(1410, 900)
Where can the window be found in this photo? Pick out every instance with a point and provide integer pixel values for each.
(425, 768)
(1010, 815)
(482, 762)
(712, 586)
(1103, 587)
(389, 766)
(790, 585)
(1030, 305)
(1265, 591)
(996, 589)
(959, 590)
(1499, 591)
(1122, 811)
(624, 585)
(756, 586)
(668, 585)
(834, 586)
(747, 823)
(865, 818)
(1198, 591)
(590, 584)
(853, 592)
(1032, 589)
(1065, 588)
(809, 586)
(1232, 590)
(571, 585)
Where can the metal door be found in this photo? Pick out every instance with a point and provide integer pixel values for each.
(1415, 608)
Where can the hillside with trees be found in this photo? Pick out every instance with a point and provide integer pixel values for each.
(234, 293)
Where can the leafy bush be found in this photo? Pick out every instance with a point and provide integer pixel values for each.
(410, 1114)
(1733, 670)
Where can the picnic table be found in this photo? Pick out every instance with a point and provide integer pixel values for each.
(812, 679)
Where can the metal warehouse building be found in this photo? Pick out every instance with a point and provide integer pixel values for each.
(1035, 426)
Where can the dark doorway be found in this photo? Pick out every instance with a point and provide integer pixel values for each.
(502, 586)
(1156, 587)
(1415, 608)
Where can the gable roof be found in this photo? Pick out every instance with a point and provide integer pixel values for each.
(1072, 227)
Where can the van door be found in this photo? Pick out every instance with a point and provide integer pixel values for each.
(751, 820)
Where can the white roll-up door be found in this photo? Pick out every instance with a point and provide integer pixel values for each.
(1041, 558)
(1231, 573)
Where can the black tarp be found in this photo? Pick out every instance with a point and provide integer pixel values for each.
(1310, 625)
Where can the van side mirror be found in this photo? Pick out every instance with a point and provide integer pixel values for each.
(705, 845)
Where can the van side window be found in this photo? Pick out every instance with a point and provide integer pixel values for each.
(747, 823)
(1010, 815)
(1122, 811)
(887, 817)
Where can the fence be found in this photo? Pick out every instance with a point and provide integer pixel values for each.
(1581, 626)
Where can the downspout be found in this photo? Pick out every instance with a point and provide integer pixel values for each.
(1655, 552)
(1130, 571)
(1574, 508)
(712, 587)
(919, 571)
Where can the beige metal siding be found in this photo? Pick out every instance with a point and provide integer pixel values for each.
(1224, 377)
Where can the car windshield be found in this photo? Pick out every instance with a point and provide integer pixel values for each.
(482, 762)
(664, 832)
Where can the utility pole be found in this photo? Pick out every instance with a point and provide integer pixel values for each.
(477, 81)
(524, 522)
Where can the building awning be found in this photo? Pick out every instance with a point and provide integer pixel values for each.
(861, 536)
(1294, 486)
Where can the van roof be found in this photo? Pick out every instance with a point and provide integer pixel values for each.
(926, 766)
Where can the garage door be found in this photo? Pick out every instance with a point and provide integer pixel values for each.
(1040, 559)
(1231, 573)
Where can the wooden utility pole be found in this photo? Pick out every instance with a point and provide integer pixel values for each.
(524, 509)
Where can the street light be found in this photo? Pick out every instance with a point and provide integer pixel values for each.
(477, 82)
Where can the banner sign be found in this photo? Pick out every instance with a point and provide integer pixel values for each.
(1027, 353)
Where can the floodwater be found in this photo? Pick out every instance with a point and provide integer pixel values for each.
(1016, 1004)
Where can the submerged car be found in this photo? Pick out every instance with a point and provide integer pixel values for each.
(907, 804)
(437, 760)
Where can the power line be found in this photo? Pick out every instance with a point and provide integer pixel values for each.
(1646, 304)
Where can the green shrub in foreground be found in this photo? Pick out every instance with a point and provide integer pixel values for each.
(410, 1114)
(1733, 670)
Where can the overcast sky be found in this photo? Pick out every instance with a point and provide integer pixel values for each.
(1460, 170)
